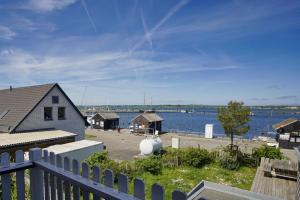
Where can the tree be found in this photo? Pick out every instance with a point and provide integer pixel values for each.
(234, 119)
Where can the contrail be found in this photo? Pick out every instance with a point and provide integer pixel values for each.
(171, 12)
(88, 14)
(147, 33)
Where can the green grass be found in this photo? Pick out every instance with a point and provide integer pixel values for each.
(87, 136)
(186, 178)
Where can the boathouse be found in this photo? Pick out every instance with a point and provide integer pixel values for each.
(105, 120)
(149, 122)
(288, 133)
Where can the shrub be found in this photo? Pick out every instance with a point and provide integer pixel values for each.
(233, 158)
(267, 152)
(98, 158)
(128, 168)
(195, 157)
(246, 159)
(191, 157)
(229, 162)
(151, 164)
(172, 158)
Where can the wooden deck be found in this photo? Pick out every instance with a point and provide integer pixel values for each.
(272, 185)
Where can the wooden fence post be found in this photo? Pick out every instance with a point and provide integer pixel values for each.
(36, 176)
(5, 179)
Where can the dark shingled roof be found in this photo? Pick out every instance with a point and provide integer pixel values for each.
(150, 117)
(108, 115)
(284, 123)
(17, 103)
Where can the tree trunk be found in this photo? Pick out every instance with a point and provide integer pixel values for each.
(231, 138)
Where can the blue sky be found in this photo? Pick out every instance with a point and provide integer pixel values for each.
(177, 51)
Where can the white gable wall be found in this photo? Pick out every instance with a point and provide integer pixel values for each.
(73, 121)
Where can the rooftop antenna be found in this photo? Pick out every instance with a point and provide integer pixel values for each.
(144, 98)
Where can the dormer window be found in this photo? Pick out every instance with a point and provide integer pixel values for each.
(55, 100)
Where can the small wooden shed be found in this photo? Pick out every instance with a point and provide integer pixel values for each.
(288, 126)
(150, 122)
(105, 120)
(288, 133)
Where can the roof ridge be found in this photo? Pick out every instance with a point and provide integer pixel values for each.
(22, 87)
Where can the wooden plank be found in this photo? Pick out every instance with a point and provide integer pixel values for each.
(75, 169)
(109, 178)
(52, 178)
(46, 176)
(274, 186)
(67, 185)
(20, 180)
(157, 192)
(36, 175)
(123, 183)
(89, 185)
(178, 195)
(5, 179)
(139, 189)
(96, 179)
(85, 174)
(59, 184)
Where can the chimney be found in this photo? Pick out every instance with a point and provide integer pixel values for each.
(10, 88)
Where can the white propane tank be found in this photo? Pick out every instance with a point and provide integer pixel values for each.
(150, 145)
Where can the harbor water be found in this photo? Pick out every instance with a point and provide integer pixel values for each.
(195, 122)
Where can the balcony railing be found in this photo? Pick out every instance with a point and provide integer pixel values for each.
(51, 177)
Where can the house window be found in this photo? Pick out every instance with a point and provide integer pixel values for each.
(61, 113)
(48, 113)
(55, 100)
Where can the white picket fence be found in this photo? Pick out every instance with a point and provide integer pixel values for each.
(54, 178)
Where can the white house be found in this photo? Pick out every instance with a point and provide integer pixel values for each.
(40, 107)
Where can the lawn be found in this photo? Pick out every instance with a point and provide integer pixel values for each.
(186, 178)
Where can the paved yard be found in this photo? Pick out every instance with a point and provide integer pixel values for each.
(123, 146)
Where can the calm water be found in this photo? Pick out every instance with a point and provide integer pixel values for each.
(195, 122)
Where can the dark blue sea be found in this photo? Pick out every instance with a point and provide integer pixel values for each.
(195, 122)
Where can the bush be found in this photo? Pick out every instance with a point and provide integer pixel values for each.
(151, 164)
(128, 168)
(191, 157)
(233, 158)
(195, 157)
(98, 158)
(229, 162)
(267, 152)
(172, 158)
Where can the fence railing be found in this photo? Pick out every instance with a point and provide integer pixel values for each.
(52, 177)
(298, 178)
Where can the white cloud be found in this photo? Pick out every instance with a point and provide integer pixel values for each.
(21, 23)
(83, 3)
(6, 33)
(242, 18)
(104, 66)
(161, 22)
(49, 5)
